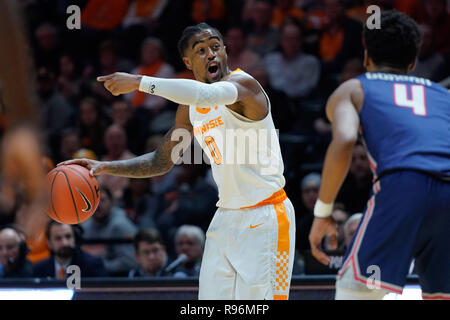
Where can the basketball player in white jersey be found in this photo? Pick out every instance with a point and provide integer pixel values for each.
(249, 248)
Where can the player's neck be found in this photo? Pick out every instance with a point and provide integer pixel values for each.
(387, 69)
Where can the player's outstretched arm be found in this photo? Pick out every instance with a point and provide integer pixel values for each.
(342, 111)
(231, 89)
(152, 164)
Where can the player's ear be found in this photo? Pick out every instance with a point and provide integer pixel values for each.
(366, 60)
(187, 63)
(412, 66)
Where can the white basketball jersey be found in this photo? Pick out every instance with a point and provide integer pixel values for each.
(245, 155)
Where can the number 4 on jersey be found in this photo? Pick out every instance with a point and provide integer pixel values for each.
(416, 102)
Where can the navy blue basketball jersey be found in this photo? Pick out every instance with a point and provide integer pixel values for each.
(405, 123)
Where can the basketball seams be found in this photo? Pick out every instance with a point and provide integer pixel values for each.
(71, 193)
(84, 179)
(51, 195)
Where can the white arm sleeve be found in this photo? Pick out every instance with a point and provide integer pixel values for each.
(190, 92)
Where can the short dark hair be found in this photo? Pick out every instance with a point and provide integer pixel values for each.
(396, 43)
(52, 223)
(149, 235)
(188, 32)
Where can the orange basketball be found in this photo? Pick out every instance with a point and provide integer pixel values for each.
(73, 194)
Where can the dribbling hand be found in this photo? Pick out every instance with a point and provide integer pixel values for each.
(95, 167)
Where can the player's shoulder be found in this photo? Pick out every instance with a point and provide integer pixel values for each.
(239, 74)
(243, 78)
(350, 89)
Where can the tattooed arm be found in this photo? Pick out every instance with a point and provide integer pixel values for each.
(152, 164)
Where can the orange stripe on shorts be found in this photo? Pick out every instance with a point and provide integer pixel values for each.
(282, 258)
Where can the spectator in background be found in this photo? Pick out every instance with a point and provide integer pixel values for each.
(358, 12)
(111, 222)
(340, 215)
(47, 52)
(152, 64)
(340, 39)
(70, 143)
(151, 254)
(144, 18)
(430, 64)
(350, 227)
(13, 251)
(85, 153)
(310, 186)
(437, 17)
(116, 149)
(290, 70)
(282, 107)
(133, 122)
(352, 69)
(109, 62)
(102, 15)
(262, 36)
(238, 54)
(193, 201)
(63, 243)
(144, 12)
(139, 203)
(56, 113)
(356, 188)
(209, 11)
(412, 8)
(92, 124)
(285, 9)
(69, 79)
(189, 241)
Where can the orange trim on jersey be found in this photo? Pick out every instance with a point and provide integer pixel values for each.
(235, 71)
(277, 197)
(280, 297)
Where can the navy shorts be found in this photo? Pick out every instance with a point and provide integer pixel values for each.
(407, 217)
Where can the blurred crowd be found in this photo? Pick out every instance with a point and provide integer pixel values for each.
(299, 51)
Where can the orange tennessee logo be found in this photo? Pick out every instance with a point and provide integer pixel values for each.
(203, 111)
(208, 126)
(256, 225)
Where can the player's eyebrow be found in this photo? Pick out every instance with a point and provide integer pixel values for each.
(200, 41)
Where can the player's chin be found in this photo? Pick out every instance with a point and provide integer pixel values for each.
(212, 77)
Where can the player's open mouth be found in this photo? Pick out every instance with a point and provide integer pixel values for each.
(213, 71)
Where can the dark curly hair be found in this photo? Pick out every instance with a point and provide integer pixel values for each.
(188, 32)
(397, 43)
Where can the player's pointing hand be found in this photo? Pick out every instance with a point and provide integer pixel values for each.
(120, 82)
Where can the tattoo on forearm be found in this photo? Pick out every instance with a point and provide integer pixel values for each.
(152, 164)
